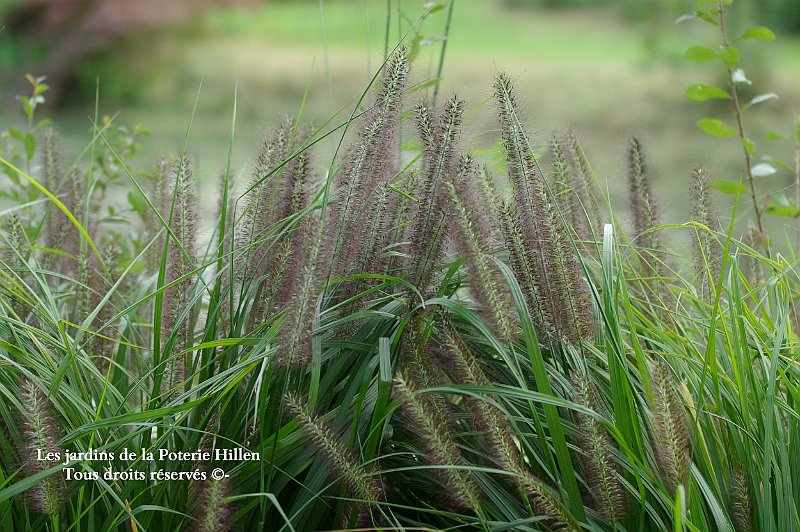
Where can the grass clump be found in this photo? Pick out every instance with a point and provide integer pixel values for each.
(480, 345)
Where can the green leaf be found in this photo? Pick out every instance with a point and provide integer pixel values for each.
(433, 7)
(774, 136)
(734, 188)
(40, 89)
(700, 54)
(16, 134)
(709, 17)
(761, 33)
(26, 105)
(730, 56)
(788, 211)
(749, 146)
(137, 202)
(700, 92)
(430, 83)
(30, 145)
(716, 127)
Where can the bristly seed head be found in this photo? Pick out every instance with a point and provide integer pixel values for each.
(602, 476)
(438, 444)
(643, 204)
(363, 484)
(543, 257)
(706, 249)
(41, 435)
(741, 505)
(671, 434)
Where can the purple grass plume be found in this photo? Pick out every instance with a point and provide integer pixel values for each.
(438, 444)
(672, 440)
(542, 256)
(360, 480)
(707, 252)
(474, 241)
(430, 226)
(370, 164)
(180, 265)
(596, 448)
(40, 432)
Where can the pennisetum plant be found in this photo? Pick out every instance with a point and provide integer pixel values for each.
(741, 506)
(304, 277)
(371, 163)
(473, 228)
(590, 213)
(600, 469)
(494, 415)
(212, 513)
(428, 232)
(644, 209)
(500, 440)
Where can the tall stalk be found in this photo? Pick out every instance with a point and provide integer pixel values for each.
(743, 140)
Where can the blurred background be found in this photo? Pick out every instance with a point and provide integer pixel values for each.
(606, 68)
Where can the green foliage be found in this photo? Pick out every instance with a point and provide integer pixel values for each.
(405, 340)
(713, 13)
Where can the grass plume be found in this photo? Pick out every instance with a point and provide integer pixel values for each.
(362, 484)
(706, 252)
(596, 447)
(177, 317)
(474, 241)
(41, 433)
(438, 444)
(671, 435)
(540, 242)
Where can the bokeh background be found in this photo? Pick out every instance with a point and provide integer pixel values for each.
(605, 68)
